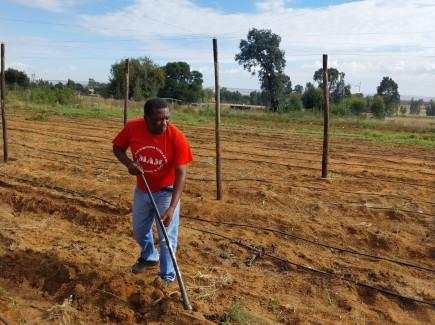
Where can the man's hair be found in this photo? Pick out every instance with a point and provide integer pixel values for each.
(152, 104)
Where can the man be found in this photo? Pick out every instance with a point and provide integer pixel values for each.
(161, 153)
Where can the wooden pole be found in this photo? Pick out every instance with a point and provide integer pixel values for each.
(5, 135)
(217, 121)
(326, 117)
(126, 91)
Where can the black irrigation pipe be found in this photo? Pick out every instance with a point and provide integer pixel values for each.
(331, 171)
(315, 188)
(334, 163)
(80, 165)
(47, 134)
(382, 180)
(60, 189)
(63, 153)
(313, 242)
(3, 321)
(327, 274)
(382, 208)
(331, 163)
(372, 153)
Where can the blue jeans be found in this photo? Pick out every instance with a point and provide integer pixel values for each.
(143, 220)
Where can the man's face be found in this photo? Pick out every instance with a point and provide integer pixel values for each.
(158, 122)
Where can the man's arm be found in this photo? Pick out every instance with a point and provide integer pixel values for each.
(133, 167)
(180, 180)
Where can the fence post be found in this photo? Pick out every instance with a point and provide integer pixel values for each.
(5, 135)
(217, 121)
(326, 117)
(126, 90)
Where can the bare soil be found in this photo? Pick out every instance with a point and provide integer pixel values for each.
(283, 245)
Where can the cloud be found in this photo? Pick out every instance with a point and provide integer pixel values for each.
(50, 5)
(270, 5)
(16, 65)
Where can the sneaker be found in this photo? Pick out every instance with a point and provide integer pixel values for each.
(141, 265)
(168, 282)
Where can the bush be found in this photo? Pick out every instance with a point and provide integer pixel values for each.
(378, 107)
(430, 108)
(357, 105)
(52, 97)
(291, 103)
(339, 110)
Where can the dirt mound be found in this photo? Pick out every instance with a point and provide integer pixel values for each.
(283, 246)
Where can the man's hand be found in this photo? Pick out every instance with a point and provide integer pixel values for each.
(167, 217)
(135, 168)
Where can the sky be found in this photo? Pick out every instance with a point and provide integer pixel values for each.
(367, 39)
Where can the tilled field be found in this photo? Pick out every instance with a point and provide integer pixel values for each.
(283, 245)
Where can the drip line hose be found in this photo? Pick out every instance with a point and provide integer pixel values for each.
(3, 321)
(392, 196)
(60, 189)
(315, 243)
(327, 274)
(331, 171)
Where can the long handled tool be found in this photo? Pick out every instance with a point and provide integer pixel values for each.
(186, 304)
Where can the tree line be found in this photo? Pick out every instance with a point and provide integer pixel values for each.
(259, 54)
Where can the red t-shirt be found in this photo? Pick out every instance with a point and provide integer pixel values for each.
(158, 154)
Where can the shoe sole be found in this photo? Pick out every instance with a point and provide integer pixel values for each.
(143, 269)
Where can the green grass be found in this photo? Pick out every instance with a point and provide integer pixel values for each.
(238, 314)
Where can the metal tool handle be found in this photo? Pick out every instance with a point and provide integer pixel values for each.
(186, 303)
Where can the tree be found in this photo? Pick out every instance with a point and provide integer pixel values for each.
(260, 53)
(292, 102)
(207, 95)
(15, 78)
(255, 98)
(181, 83)
(415, 106)
(357, 105)
(145, 79)
(430, 108)
(41, 84)
(59, 85)
(378, 107)
(71, 84)
(195, 87)
(402, 109)
(388, 90)
(336, 85)
(312, 97)
(299, 89)
(230, 96)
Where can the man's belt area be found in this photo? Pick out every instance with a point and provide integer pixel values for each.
(166, 189)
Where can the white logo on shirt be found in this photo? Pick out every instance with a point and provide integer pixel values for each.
(151, 158)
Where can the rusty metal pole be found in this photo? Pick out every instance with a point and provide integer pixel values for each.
(5, 135)
(326, 117)
(217, 121)
(126, 91)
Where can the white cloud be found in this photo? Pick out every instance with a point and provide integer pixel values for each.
(270, 5)
(49, 5)
(16, 65)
